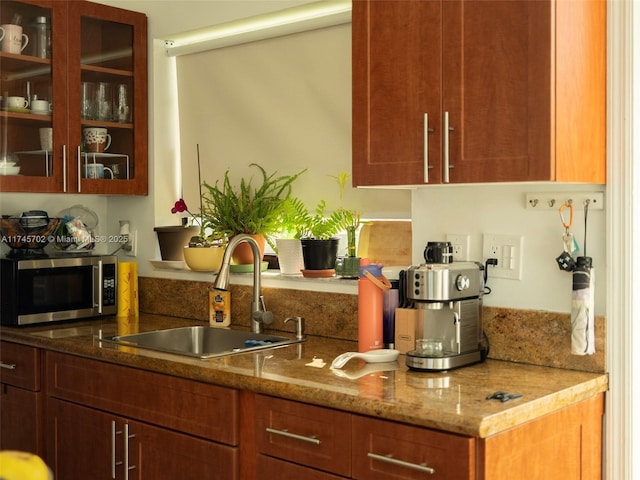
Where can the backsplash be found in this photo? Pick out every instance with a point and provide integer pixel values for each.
(525, 336)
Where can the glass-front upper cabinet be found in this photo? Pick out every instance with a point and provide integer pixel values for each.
(92, 135)
(28, 50)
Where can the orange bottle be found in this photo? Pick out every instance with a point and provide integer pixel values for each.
(371, 285)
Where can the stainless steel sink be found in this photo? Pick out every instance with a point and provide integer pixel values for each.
(201, 341)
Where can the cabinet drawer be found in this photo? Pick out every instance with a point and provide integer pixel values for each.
(313, 436)
(273, 469)
(191, 407)
(20, 366)
(386, 450)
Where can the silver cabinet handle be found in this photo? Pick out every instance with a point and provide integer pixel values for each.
(64, 168)
(8, 366)
(286, 433)
(79, 170)
(394, 461)
(126, 452)
(427, 131)
(114, 464)
(445, 149)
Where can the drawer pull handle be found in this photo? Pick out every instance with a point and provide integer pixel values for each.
(286, 433)
(389, 459)
(8, 366)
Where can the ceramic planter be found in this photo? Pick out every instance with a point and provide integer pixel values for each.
(290, 256)
(173, 239)
(319, 254)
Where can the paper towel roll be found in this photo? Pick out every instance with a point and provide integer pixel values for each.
(127, 289)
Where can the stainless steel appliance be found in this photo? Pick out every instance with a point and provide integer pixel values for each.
(449, 299)
(50, 289)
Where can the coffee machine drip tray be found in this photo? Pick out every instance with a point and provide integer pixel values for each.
(416, 361)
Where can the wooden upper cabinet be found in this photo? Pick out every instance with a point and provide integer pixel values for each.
(478, 91)
(94, 45)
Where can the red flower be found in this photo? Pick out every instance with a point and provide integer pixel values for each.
(180, 206)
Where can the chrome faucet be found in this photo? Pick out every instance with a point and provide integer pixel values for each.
(259, 313)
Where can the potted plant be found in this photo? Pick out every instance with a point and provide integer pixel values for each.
(254, 209)
(202, 252)
(173, 238)
(318, 231)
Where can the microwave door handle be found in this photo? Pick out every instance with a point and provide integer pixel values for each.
(97, 284)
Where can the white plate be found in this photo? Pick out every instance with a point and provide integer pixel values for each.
(168, 264)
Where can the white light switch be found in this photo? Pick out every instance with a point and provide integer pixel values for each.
(507, 249)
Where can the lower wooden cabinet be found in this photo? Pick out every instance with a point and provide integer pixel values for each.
(269, 468)
(106, 421)
(308, 435)
(21, 398)
(563, 445)
(96, 420)
(386, 450)
(85, 443)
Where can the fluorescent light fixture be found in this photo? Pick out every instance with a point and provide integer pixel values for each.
(302, 18)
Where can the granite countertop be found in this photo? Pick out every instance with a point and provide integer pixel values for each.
(453, 401)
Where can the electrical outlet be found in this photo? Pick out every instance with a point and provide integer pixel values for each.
(131, 247)
(507, 249)
(460, 244)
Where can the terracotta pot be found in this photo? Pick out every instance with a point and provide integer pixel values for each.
(173, 239)
(243, 255)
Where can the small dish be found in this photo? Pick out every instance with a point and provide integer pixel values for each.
(319, 273)
(168, 264)
(41, 112)
(18, 110)
(248, 268)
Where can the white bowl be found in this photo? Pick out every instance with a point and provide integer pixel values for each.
(9, 170)
(6, 163)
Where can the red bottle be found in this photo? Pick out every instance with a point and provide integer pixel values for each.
(371, 285)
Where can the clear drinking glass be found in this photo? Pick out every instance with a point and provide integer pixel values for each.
(104, 101)
(87, 100)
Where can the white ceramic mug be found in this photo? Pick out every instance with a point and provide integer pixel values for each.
(96, 139)
(46, 139)
(96, 171)
(42, 107)
(12, 38)
(17, 102)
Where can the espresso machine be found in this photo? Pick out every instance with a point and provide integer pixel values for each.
(448, 297)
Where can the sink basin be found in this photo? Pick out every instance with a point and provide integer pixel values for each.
(201, 341)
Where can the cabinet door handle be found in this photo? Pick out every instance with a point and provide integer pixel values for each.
(114, 464)
(64, 168)
(427, 131)
(445, 148)
(126, 452)
(79, 170)
(286, 433)
(422, 467)
(8, 366)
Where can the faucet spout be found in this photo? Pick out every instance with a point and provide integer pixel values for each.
(259, 314)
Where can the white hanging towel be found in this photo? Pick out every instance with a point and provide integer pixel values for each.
(582, 314)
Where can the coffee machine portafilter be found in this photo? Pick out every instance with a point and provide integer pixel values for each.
(449, 299)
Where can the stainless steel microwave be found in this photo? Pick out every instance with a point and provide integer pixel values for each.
(52, 289)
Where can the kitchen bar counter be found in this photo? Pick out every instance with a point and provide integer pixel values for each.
(453, 401)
